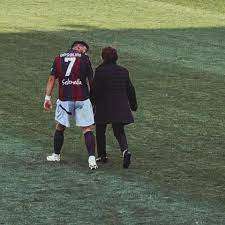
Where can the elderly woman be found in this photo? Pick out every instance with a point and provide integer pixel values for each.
(114, 98)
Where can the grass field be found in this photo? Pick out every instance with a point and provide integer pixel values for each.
(175, 51)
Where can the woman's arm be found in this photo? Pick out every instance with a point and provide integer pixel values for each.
(131, 94)
(96, 86)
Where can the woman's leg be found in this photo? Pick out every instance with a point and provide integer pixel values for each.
(119, 133)
(101, 139)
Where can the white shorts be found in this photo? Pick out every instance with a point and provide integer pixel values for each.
(81, 111)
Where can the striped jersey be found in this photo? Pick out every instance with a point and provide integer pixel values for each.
(75, 75)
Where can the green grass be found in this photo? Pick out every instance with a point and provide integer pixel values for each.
(175, 53)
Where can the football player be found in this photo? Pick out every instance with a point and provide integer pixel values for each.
(74, 73)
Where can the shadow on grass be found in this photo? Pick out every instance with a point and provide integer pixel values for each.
(179, 135)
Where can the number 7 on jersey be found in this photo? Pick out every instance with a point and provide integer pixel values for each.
(72, 60)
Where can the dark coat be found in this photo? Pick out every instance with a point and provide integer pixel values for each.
(113, 95)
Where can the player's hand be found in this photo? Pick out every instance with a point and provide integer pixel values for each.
(47, 105)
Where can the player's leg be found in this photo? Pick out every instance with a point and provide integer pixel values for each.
(119, 133)
(62, 114)
(84, 117)
(101, 142)
(90, 145)
(58, 142)
(59, 138)
(89, 140)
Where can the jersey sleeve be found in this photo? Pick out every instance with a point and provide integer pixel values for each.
(54, 71)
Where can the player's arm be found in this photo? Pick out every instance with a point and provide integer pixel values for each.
(49, 88)
(88, 71)
(93, 90)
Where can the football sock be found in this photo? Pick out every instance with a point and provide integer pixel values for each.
(120, 135)
(58, 141)
(90, 142)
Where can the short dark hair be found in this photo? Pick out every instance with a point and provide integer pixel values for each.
(109, 54)
(80, 42)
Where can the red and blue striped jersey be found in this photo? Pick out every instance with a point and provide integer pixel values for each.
(74, 73)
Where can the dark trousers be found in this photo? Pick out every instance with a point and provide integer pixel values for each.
(119, 133)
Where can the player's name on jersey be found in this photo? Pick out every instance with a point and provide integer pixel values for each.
(70, 54)
(69, 82)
